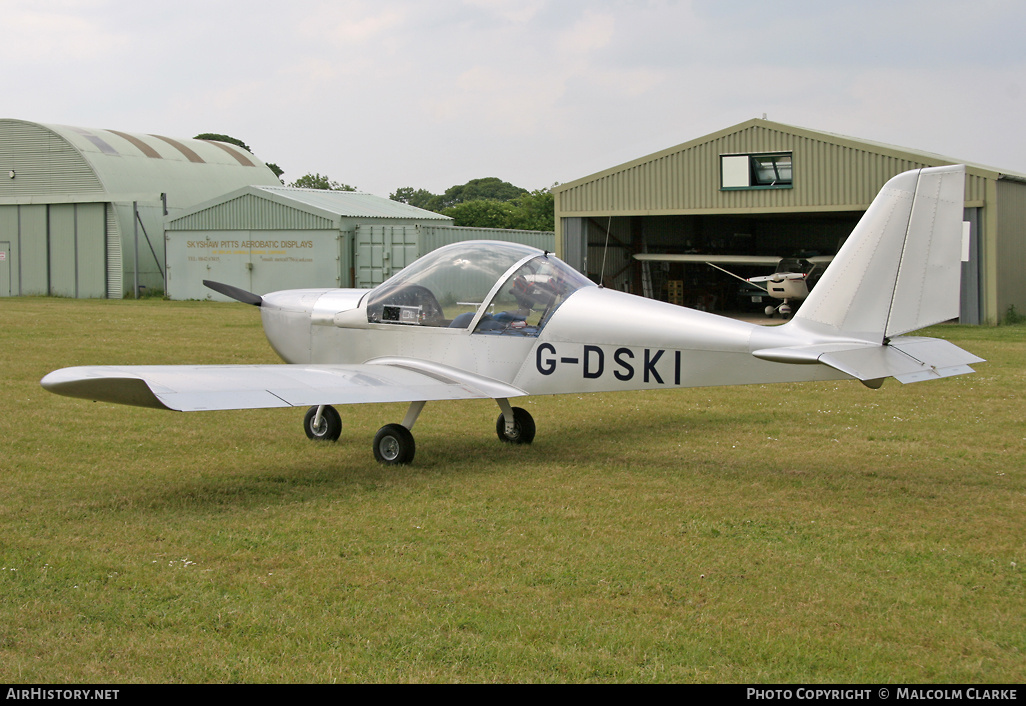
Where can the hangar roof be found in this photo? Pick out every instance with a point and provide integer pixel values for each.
(49, 160)
(831, 172)
(354, 204)
(281, 207)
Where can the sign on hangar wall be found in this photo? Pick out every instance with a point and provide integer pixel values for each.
(259, 262)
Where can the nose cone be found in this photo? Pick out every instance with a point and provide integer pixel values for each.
(287, 318)
(290, 315)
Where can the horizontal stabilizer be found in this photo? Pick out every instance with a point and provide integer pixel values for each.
(909, 359)
(939, 358)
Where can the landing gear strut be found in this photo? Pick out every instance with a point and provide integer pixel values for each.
(394, 444)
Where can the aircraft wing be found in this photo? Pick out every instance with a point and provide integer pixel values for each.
(190, 388)
(754, 260)
(777, 277)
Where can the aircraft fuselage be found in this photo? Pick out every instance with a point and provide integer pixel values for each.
(647, 344)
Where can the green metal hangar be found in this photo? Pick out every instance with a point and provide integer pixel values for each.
(82, 210)
(764, 188)
(267, 238)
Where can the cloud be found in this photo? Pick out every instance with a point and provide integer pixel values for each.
(591, 33)
(384, 93)
(350, 23)
(56, 36)
(517, 11)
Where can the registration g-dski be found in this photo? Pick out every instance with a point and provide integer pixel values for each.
(496, 320)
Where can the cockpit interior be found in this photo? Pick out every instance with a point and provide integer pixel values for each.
(493, 288)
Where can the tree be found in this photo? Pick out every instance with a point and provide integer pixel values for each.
(486, 189)
(421, 198)
(537, 211)
(483, 213)
(320, 181)
(489, 188)
(223, 138)
(487, 203)
(239, 143)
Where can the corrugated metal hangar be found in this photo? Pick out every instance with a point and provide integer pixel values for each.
(82, 210)
(764, 188)
(103, 213)
(266, 238)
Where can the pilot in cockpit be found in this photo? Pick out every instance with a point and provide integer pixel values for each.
(532, 293)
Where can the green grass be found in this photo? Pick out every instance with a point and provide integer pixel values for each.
(791, 533)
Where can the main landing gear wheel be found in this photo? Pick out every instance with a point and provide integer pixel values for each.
(328, 428)
(523, 427)
(394, 445)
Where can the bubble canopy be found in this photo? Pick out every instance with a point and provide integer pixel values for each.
(501, 288)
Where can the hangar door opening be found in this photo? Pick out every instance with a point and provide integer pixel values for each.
(607, 247)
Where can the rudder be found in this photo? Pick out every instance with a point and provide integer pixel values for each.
(900, 269)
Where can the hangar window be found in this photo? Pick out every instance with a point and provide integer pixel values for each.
(756, 171)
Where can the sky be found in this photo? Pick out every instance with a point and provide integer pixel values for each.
(383, 94)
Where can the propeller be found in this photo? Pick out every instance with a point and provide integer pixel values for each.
(234, 292)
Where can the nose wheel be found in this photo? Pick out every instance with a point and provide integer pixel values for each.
(394, 445)
(784, 310)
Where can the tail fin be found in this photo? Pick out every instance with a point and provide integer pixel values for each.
(900, 269)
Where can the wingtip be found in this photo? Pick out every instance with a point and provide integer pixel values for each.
(101, 385)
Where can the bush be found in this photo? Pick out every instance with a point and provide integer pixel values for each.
(1013, 317)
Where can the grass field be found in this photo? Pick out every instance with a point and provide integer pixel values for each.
(793, 533)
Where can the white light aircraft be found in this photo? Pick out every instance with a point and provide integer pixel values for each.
(497, 320)
(789, 281)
